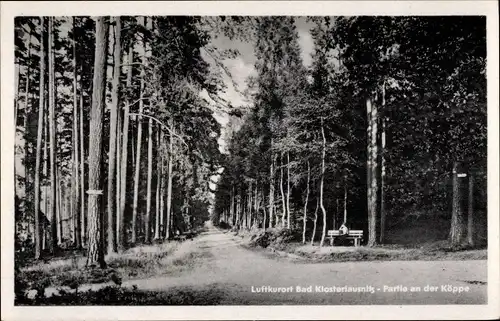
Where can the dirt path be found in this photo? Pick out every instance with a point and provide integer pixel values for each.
(241, 273)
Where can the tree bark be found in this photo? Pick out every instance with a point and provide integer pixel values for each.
(158, 180)
(306, 203)
(283, 200)
(150, 174)
(382, 170)
(115, 101)
(288, 189)
(76, 187)
(345, 203)
(233, 217)
(95, 254)
(458, 231)
(60, 206)
(27, 112)
(373, 187)
(315, 222)
(271, 190)
(83, 230)
(52, 135)
(323, 156)
(470, 211)
(169, 179)
(41, 110)
(122, 237)
(162, 187)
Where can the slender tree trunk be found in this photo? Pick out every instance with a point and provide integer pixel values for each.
(95, 254)
(150, 175)
(323, 156)
(17, 80)
(76, 139)
(169, 181)
(470, 211)
(271, 190)
(304, 225)
(45, 176)
(288, 189)
(122, 237)
(283, 200)
(373, 187)
(232, 207)
(158, 179)
(458, 231)
(112, 248)
(139, 144)
(382, 170)
(345, 203)
(60, 206)
(53, 146)
(26, 134)
(256, 206)
(41, 110)
(83, 233)
(162, 188)
(118, 174)
(315, 221)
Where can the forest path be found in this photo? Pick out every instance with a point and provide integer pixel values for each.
(235, 270)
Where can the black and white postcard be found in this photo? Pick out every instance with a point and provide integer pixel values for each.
(250, 160)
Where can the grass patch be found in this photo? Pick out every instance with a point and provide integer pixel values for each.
(135, 263)
(113, 295)
(384, 253)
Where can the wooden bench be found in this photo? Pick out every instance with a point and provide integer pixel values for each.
(356, 235)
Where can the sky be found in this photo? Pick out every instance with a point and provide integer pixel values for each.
(244, 66)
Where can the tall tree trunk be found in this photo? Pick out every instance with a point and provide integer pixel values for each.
(115, 101)
(382, 170)
(271, 190)
(53, 146)
(76, 152)
(139, 144)
(122, 237)
(26, 134)
(232, 207)
(283, 200)
(470, 211)
(162, 188)
(373, 187)
(60, 206)
(83, 216)
(321, 188)
(41, 110)
(45, 175)
(150, 175)
(95, 254)
(158, 180)
(304, 225)
(458, 231)
(256, 206)
(288, 189)
(17, 80)
(315, 221)
(169, 179)
(118, 174)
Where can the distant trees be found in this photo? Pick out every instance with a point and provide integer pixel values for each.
(385, 106)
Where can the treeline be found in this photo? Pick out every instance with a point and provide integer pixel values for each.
(114, 143)
(388, 121)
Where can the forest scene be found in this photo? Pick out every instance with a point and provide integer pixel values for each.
(200, 160)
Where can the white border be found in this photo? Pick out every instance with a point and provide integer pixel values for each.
(11, 9)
